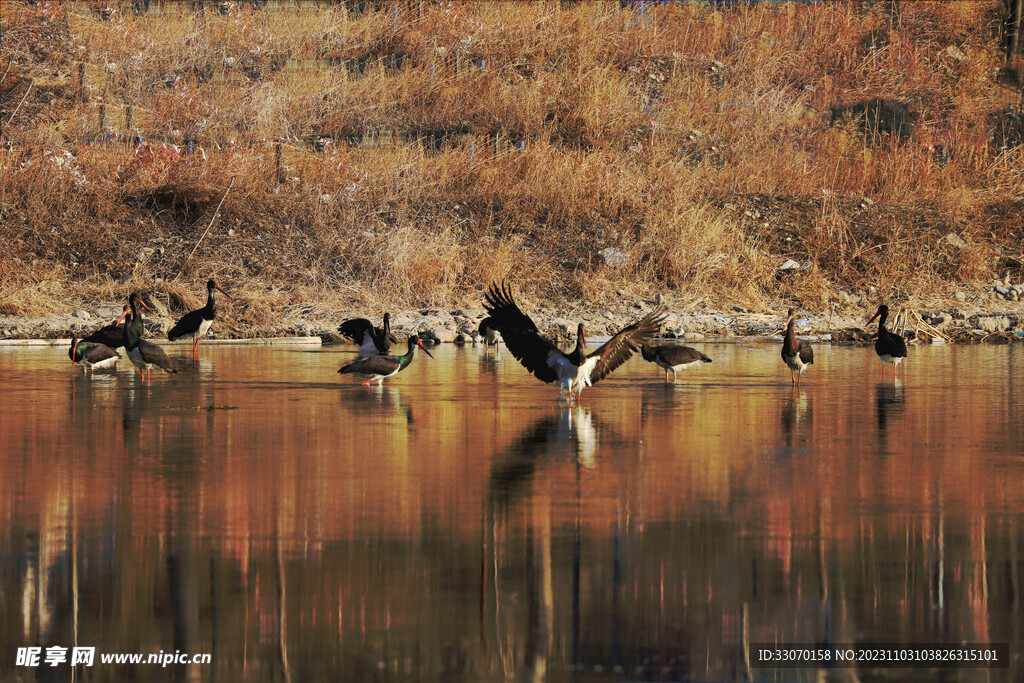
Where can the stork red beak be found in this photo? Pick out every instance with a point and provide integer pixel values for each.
(222, 291)
(419, 343)
(146, 307)
(74, 351)
(872, 318)
(123, 314)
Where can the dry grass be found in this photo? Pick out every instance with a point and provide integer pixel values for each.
(657, 134)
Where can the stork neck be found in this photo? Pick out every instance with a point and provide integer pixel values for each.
(406, 357)
(133, 329)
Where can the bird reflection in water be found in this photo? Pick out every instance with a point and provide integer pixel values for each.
(489, 363)
(797, 415)
(570, 433)
(379, 400)
(889, 402)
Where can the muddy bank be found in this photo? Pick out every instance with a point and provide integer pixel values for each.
(958, 322)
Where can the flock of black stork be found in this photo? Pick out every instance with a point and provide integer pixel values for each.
(572, 371)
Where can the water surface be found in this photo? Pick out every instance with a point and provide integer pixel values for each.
(460, 523)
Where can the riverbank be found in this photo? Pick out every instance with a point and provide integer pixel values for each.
(959, 321)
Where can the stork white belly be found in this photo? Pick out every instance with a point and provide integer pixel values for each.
(570, 376)
(894, 360)
(204, 327)
(795, 362)
(105, 363)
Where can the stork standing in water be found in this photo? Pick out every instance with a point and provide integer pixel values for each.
(489, 333)
(92, 355)
(673, 357)
(372, 340)
(111, 335)
(796, 353)
(198, 322)
(891, 348)
(379, 367)
(571, 371)
(143, 353)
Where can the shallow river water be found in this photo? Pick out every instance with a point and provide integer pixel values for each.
(460, 523)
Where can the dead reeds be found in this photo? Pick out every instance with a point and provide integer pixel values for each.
(427, 149)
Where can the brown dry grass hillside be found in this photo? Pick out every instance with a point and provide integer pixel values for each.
(408, 153)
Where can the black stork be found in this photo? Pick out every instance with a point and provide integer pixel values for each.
(109, 335)
(92, 355)
(672, 357)
(797, 354)
(142, 353)
(489, 332)
(891, 348)
(197, 323)
(372, 340)
(379, 367)
(572, 371)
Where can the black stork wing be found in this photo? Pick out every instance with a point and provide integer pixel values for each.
(520, 333)
(375, 365)
(900, 344)
(624, 344)
(356, 329)
(97, 353)
(806, 352)
(892, 344)
(154, 355)
(108, 335)
(678, 355)
(188, 324)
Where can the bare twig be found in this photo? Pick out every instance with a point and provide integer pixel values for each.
(210, 225)
(928, 328)
(7, 70)
(23, 98)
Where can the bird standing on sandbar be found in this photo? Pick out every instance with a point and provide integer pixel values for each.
(891, 348)
(672, 357)
(572, 371)
(796, 353)
(198, 322)
(379, 367)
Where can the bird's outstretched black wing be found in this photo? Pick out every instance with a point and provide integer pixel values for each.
(624, 344)
(355, 329)
(520, 333)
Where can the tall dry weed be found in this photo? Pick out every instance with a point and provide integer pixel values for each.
(548, 134)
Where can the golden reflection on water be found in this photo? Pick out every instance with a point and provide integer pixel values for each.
(459, 523)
